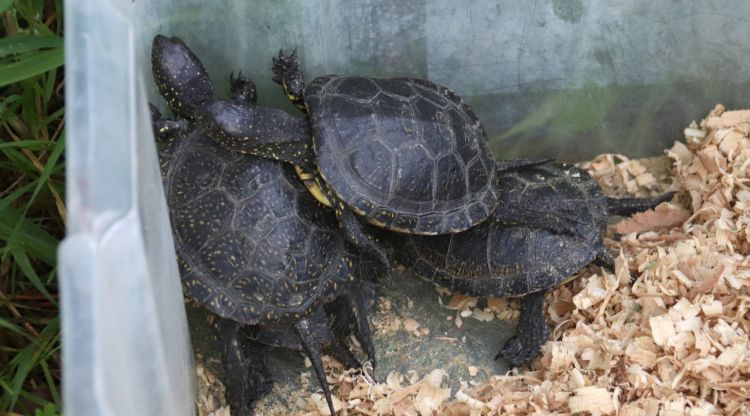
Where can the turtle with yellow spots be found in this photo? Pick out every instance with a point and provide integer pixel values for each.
(407, 155)
(502, 259)
(257, 250)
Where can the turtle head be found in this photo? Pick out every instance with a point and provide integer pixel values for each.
(180, 76)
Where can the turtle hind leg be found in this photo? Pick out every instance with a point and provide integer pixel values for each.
(531, 334)
(288, 74)
(628, 206)
(343, 355)
(242, 89)
(312, 342)
(246, 376)
(350, 312)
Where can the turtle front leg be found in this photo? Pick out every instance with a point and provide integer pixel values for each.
(354, 232)
(259, 131)
(288, 74)
(532, 332)
(353, 229)
(247, 378)
(163, 127)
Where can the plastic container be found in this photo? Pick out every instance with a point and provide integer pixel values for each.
(562, 78)
(126, 349)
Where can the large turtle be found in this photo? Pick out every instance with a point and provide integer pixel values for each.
(261, 253)
(496, 259)
(404, 154)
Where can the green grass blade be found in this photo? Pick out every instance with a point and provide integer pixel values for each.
(13, 196)
(49, 167)
(31, 52)
(31, 66)
(38, 243)
(4, 4)
(22, 260)
(49, 89)
(18, 44)
(26, 359)
(32, 17)
(44, 177)
(13, 328)
(51, 383)
(24, 362)
(27, 144)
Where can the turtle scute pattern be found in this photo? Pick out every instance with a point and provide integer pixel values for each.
(405, 153)
(496, 259)
(254, 246)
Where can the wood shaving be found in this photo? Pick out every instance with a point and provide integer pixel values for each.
(664, 216)
(211, 393)
(410, 325)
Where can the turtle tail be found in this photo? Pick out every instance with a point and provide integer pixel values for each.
(503, 166)
(629, 206)
(313, 343)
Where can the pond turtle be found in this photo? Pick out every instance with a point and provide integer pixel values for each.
(404, 154)
(497, 259)
(263, 255)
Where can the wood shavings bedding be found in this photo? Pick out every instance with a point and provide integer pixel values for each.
(676, 341)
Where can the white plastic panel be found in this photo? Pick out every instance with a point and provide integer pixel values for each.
(126, 349)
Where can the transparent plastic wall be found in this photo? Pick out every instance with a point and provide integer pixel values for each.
(561, 78)
(126, 349)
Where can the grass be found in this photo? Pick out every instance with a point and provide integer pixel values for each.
(32, 208)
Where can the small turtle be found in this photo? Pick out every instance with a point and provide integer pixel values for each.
(496, 259)
(261, 254)
(404, 154)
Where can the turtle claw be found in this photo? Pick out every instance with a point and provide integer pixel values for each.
(288, 74)
(243, 90)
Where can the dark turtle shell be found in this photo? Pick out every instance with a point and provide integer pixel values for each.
(495, 259)
(253, 245)
(407, 154)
